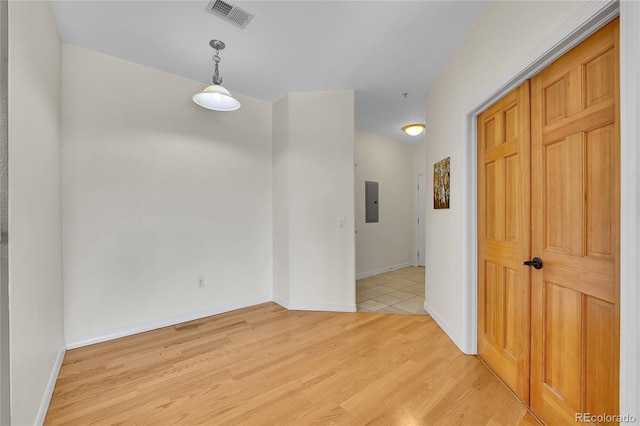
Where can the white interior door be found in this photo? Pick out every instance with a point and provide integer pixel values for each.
(422, 205)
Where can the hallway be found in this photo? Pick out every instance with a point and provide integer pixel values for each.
(397, 292)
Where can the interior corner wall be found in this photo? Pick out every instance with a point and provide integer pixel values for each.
(35, 224)
(158, 192)
(314, 160)
(502, 38)
(389, 243)
(280, 164)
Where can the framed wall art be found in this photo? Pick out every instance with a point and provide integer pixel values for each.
(441, 184)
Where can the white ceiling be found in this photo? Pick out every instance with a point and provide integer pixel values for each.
(381, 49)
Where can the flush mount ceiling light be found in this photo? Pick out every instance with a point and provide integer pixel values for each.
(413, 129)
(215, 96)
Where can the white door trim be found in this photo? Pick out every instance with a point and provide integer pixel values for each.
(5, 368)
(629, 208)
(592, 16)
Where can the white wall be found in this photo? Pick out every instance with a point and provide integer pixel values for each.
(417, 158)
(389, 242)
(315, 160)
(35, 247)
(503, 37)
(157, 192)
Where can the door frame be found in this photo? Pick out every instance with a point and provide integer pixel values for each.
(5, 341)
(591, 17)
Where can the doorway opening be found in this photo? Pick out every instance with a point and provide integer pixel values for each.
(388, 278)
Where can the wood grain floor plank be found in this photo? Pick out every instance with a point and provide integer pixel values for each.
(265, 365)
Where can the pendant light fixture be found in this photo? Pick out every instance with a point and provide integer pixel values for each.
(413, 129)
(215, 96)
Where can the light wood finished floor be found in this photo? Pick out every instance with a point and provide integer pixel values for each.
(266, 365)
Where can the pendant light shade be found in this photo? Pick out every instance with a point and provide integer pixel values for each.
(216, 97)
(413, 129)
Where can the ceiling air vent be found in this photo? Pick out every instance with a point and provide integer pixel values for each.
(230, 13)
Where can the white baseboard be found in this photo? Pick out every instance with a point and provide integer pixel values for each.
(330, 307)
(163, 322)
(444, 326)
(48, 392)
(281, 301)
(383, 270)
(190, 316)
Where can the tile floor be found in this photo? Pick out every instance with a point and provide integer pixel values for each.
(399, 292)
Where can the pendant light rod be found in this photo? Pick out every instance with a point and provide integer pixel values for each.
(216, 97)
(218, 45)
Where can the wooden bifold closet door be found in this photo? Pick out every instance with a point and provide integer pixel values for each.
(503, 232)
(552, 334)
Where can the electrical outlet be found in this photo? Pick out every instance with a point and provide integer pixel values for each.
(201, 282)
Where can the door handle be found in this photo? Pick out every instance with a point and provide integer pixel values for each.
(536, 262)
